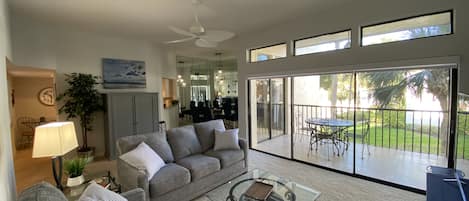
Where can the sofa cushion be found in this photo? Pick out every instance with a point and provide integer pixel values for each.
(157, 141)
(42, 191)
(206, 132)
(184, 142)
(226, 157)
(170, 177)
(200, 165)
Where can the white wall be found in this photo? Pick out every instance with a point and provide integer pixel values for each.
(66, 50)
(444, 49)
(7, 174)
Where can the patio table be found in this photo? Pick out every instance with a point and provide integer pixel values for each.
(324, 128)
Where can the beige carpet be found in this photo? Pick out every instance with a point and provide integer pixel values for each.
(333, 186)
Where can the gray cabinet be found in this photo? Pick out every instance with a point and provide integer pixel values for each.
(129, 114)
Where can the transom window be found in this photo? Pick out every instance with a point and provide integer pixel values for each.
(268, 53)
(407, 29)
(323, 43)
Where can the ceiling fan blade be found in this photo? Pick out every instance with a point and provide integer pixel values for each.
(180, 40)
(217, 35)
(204, 43)
(181, 31)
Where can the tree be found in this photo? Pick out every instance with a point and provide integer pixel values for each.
(390, 88)
(81, 100)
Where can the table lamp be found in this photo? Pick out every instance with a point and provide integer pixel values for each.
(54, 140)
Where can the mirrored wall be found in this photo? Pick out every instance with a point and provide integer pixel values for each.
(202, 80)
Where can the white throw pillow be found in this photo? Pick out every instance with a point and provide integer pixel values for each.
(95, 192)
(144, 159)
(226, 139)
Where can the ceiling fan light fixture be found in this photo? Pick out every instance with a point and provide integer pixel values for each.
(203, 38)
(197, 29)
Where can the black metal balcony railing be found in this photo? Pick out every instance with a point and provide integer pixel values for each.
(275, 115)
(421, 131)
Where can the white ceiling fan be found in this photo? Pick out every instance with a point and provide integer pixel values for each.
(202, 37)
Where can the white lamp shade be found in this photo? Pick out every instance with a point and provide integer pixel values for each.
(54, 139)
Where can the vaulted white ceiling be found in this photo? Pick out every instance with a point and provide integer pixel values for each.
(149, 19)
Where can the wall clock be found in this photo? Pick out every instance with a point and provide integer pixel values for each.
(47, 96)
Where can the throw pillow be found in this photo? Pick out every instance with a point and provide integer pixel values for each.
(145, 159)
(226, 139)
(157, 141)
(95, 192)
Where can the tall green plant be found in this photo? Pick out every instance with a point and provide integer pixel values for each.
(81, 100)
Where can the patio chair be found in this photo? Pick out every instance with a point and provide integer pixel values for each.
(301, 134)
(362, 133)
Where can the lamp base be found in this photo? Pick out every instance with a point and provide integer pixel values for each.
(57, 175)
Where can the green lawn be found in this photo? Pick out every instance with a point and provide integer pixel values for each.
(411, 141)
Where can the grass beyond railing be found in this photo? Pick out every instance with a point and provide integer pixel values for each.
(420, 131)
(410, 130)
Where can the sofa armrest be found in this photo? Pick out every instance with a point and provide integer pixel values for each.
(243, 144)
(131, 178)
(136, 194)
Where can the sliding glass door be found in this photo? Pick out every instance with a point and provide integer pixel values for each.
(268, 116)
(323, 120)
(408, 124)
(387, 125)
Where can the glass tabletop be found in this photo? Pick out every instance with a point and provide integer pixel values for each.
(330, 122)
(283, 190)
(101, 177)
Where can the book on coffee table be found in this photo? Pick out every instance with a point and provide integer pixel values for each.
(259, 191)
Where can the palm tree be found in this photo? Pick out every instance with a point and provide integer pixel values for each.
(390, 88)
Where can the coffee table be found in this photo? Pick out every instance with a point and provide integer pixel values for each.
(74, 193)
(283, 190)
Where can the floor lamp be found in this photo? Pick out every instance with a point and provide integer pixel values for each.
(55, 140)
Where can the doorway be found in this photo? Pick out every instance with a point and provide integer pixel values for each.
(32, 102)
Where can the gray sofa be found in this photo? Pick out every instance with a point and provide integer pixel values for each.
(46, 192)
(192, 167)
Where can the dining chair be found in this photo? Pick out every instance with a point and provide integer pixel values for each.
(25, 126)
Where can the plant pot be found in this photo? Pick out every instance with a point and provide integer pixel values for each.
(88, 154)
(75, 181)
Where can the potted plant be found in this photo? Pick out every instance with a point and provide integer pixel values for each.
(74, 169)
(82, 100)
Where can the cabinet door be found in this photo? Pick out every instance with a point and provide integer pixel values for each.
(122, 107)
(146, 120)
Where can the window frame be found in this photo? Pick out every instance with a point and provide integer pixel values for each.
(451, 12)
(257, 48)
(319, 35)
